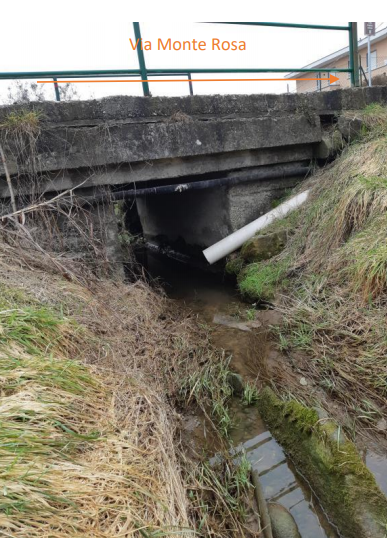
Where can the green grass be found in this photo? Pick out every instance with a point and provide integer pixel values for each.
(301, 336)
(32, 329)
(332, 277)
(250, 394)
(374, 183)
(210, 389)
(374, 117)
(261, 281)
(375, 108)
(14, 298)
(22, 121)
(364, 260)
(221, 494)
(251, 314)
(345, 340)
(39, 411)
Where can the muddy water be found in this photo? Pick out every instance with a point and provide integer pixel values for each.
(214, 299)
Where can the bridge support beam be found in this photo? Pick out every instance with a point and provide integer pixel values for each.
(192, 220)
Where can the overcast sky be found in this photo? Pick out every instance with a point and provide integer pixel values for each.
(96, 36)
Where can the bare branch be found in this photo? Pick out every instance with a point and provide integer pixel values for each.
(7, 175)
(34, 207)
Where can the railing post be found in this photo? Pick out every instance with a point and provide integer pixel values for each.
(190, 84)
(141, 59)
(56, 87)
(353, 54)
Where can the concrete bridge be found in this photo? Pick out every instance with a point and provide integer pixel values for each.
(201, 166)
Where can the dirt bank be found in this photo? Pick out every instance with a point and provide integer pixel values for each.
(329, 286)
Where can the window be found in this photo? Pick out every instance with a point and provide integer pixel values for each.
(329, 82)
(318, 82)
(374, 62)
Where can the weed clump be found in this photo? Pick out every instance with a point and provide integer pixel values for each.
(209, 387)
(22, 122)
(250, 394)
(260, 281)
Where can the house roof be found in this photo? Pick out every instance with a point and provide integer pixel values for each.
(340, 53)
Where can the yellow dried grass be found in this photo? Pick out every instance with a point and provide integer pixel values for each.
(89, 451)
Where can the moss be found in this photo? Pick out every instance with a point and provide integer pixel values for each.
(264, 247)
(331, 463)
(234, 265)
(260, 281)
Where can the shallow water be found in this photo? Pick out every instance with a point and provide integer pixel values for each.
(212, 298)
(279, 479)
(377, 464)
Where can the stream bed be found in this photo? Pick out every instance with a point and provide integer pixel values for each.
(213, 299)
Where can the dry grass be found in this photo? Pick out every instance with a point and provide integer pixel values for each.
(92, 372)
(88, 422)
(344, 197)
(19, 134)
(84, 452)
(334, 301)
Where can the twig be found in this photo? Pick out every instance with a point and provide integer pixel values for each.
(34, 207)
(7, 175)
(66, 273)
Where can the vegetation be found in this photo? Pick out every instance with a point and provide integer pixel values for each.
(331, 279)
(22, 121)
(251, 314)
(63, 438)
(209, 387)
(259, 281)
(234, 265)
(228, 489)
(250, 394)
(90, 378)
(326, 458)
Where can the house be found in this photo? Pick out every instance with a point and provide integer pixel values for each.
(340, 59)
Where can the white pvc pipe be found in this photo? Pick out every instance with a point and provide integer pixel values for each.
(234, 241)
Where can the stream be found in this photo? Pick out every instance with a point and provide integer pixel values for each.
(217, 304)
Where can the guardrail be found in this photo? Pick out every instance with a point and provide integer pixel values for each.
(144, 73)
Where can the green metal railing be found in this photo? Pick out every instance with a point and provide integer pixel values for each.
(144, 73)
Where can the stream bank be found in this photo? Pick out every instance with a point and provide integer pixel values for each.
(245, 335)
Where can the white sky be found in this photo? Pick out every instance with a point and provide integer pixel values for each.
(47, 35)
